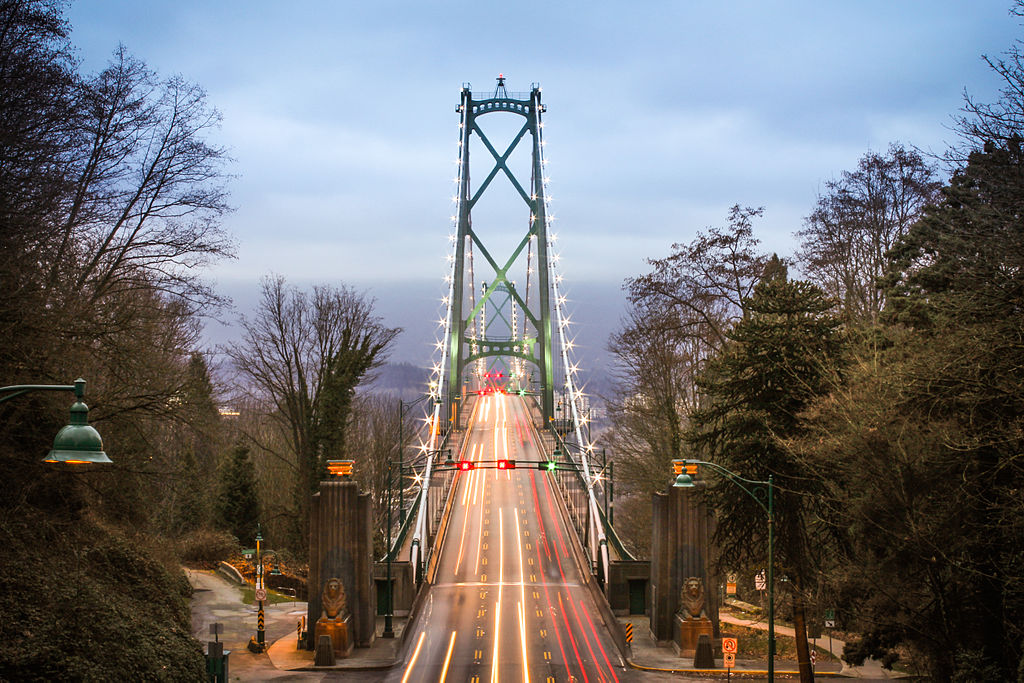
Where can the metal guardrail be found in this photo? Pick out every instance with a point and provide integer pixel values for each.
(403, 531)
(613, 538)
(508, 95)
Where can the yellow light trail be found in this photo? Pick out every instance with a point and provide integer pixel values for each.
(522, 601)
(522, 639)
(497, 605)
(479, 536)
(412, 662)
(448, 657)
(465, 491)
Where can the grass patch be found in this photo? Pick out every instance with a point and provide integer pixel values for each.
(273, 597)
(753, 644)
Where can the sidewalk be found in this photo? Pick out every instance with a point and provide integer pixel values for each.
(382, 654)
(646, 655)
(217, 600)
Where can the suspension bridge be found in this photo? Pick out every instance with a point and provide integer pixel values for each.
(504, 557)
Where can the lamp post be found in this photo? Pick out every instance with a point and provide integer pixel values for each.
(403, 406)
(78, 443)
(684, 480)
(389, 631)
(261, 594)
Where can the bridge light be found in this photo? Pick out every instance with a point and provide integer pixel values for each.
(466, 465)
(682, 467)
(506, 464)
(339, 468)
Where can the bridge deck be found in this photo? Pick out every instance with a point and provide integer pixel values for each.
(508, 598)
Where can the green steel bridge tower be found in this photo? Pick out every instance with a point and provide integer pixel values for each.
(471, 337)
(515, 319)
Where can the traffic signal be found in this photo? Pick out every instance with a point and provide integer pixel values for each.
(506, 464)
(339, 468)
(550, 465)
(465, 465)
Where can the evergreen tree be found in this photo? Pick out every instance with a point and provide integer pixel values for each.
(782, 354)
(956, 284)
(191, 507)
(238, 505)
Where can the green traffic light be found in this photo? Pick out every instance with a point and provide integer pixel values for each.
(552, 465)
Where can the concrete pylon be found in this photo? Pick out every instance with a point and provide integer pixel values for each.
(681, 549)
(341, 546)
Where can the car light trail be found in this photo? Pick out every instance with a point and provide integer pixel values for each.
(586, 637)
(522, 601)
(448, 657)
(415, 654)
(479, 536)
(568, 629)
(551, 613)
(586, 613)
(497, 606)
(522, 639)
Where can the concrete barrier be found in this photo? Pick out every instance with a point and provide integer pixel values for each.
(231, 572)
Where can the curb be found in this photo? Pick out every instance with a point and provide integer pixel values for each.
(735, 672)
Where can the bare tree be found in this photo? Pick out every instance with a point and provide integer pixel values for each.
(680, 314)
(304, 354)
(704, 284)
(146, 188)
(858, 220)
(373, 444)
(654, 391)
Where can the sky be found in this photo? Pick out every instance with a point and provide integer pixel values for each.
(661, 115)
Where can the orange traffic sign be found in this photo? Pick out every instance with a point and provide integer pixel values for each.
(730, 645)
(729, 660)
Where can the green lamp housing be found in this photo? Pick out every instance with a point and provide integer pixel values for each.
(684, 481)
(78, 443)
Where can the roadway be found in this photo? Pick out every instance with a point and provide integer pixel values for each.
(508, 601)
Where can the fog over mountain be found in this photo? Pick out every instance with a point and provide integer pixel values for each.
(595, 310)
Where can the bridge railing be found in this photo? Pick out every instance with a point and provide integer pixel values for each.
(577, 486)
(431, 497)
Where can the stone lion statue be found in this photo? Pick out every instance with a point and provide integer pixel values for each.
(332, 601)
(692, 598)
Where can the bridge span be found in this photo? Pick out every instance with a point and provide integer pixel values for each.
(507, 595)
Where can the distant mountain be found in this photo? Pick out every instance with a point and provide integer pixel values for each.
(404, 380)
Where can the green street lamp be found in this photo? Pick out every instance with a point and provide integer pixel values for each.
(78, 443)
(685, 481)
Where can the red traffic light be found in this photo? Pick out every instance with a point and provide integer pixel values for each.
(506, 464)
(465, 465)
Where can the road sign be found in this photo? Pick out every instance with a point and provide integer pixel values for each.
(730, 645)
(759, 581)
(830, 613)
(814, 657)
(830, 623)
(729, 660)
(629, 632)
(261, 594)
